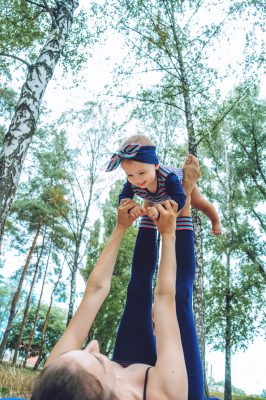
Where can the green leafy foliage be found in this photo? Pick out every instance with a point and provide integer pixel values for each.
(55, 329)
(235, 260)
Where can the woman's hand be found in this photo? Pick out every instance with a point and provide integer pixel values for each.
(124, 217)
(167, 216)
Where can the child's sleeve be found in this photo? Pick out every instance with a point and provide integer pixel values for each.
(175, 190)
(127, 192)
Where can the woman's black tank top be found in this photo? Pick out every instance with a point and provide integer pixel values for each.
(146, 383)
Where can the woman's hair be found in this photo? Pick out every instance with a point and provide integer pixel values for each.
(65, 382)
(139, 139)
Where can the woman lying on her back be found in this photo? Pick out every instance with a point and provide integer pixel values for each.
(153, 371)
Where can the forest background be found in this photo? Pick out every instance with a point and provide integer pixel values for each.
(189, 74)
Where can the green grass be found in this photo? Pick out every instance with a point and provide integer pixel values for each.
(236, 396)
(16, 382)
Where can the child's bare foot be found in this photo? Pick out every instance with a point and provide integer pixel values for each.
(191, 171)
(216, 228)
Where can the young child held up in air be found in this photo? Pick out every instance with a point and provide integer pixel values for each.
(155, 182)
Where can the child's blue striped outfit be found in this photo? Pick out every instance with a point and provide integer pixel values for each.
(169, 186)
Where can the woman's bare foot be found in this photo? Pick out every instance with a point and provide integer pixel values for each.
(216, 228)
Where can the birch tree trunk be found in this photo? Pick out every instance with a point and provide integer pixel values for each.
(73, 286)
(24, 121)
(198, 291)
(228, 333)
(17, 294)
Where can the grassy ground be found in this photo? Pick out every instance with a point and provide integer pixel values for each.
(235, 396)
(16, 382)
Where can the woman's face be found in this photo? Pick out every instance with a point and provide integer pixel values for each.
(93, 362)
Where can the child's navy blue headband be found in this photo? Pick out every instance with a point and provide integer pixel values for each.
(143, 154)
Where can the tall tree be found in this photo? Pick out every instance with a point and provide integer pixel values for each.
(41, 203)
(40, 71)
(15, 298)
(94, 130)
(236, 281)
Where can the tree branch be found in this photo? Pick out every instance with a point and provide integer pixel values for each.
(35, 4)
(253, 130)
(260, 267)
(50, 12)
(259, 219)
(163, 68)
(16, 58)
(222, 118)
(150, 101)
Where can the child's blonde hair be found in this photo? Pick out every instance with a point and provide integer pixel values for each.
(138, 139)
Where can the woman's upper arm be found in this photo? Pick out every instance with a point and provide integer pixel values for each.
(169, 371)
(79, 326)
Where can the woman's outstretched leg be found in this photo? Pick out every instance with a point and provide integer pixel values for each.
(184, 286)
(186, 263)
(135, 342)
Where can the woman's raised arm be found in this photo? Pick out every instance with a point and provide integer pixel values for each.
(169, 373)
(97, 288)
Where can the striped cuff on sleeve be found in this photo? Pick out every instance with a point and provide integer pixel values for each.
(146, 222)
(184, 224)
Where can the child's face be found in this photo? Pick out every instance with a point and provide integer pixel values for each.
(139, 174)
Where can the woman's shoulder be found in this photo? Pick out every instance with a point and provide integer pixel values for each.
(156, 389)
(149, 381)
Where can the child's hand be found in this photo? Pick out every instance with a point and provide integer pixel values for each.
(152, 212)
(136, 211)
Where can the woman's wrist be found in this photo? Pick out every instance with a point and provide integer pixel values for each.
(168, 235)
(119, 230)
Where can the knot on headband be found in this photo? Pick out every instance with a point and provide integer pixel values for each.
(144, 154)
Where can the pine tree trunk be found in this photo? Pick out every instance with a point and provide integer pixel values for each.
(40, 357)
(37, 310)
(25, 315)
(24, 121)
(17, 294)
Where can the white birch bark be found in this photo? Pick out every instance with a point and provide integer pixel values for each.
(24, 121)
(198, 292)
